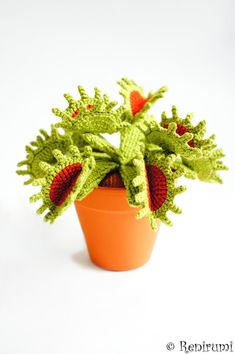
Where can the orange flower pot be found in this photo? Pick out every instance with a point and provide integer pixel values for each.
(115, 239)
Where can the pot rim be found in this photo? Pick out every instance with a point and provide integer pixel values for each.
(111, 188)
(107, 198)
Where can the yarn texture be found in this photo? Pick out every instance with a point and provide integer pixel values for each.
(151, 158)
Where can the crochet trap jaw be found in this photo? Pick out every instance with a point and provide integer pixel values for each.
(152, 156)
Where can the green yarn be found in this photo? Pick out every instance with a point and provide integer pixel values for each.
(207, 166)
(90, 115)
(128, 173)
(130, 90)
(41, 150)
(143, 182)
(99, 143)
(101, 169)
(52, 171)
(171, 142)
(151, 157)
(132, 141)
(77, 139)
(198, 131)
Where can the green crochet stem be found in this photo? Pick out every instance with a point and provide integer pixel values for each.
(151, 157)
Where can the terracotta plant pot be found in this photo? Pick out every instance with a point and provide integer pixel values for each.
(115, 239)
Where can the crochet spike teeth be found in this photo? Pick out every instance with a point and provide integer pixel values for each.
(22, 163)
(186, 137)
(137, 181)
(89, 114)
(82, 93)
(22, 172)
(207, 166)
(151, 156)
(44, 133)
(142, 213)
(139, 198)
(106, 99)
(63, 182)
(180, 189)
(172, 128)
(184, 127)
(110, 106)
(168, 139)
(97, 94)
(134, 100)
(36, 197)
(74, 151)
(39, 182)
(153, 223)
(41, 209)
(154, 96)
(29, 181)
(59, 156)
(175, 209)
(174, 112)
(69, 99)
(166, 220)
(43, 153)
(57, 112)
(155, 187)
(188, 118)
(220, 166)
(200, 129)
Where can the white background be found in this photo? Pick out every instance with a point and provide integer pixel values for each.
(52, 299)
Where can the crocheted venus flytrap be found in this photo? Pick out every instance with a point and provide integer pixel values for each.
(148, 163)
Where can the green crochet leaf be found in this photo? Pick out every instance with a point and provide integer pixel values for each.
(148, 162)
(171, 142)
(177, 163)
(63, 181)
(184, 126)
(90, 114)
(101, 169)
(99, 143)
(41, 150)
(157, 187)
(135, 102)
(207, 166)
(77, 139)
(128, 173)
(132, 142)
(145, 123)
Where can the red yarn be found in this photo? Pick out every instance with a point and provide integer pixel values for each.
(181, 130)
(63, 183)
(113, 180)
(75, 113)
(137, 102)
(157, 187)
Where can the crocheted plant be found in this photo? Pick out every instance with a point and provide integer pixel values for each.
(148, 163)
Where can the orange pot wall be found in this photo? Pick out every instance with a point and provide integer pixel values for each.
(116, 240)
